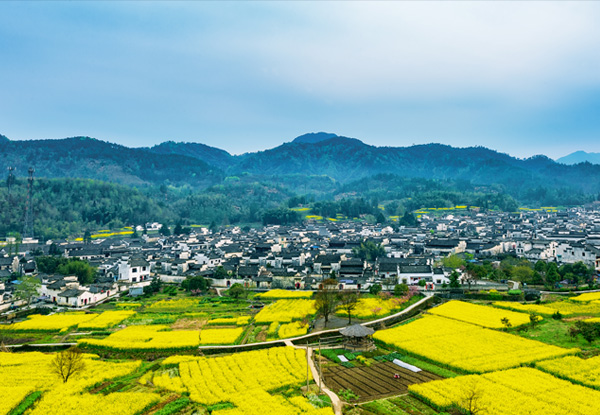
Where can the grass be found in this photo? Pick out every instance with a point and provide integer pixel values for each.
(555, 332)
(26, 403)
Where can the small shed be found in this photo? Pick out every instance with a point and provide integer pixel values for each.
(136, 291)
(357, 337)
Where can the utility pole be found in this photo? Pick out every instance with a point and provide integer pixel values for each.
(307, 366)
(28, 225)
(320, 373)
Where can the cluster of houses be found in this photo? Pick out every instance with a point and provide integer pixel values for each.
(301, 257)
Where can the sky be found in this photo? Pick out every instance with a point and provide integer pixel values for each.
(519, 77)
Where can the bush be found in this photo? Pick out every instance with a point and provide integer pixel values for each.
(557, 315)
(514, 292)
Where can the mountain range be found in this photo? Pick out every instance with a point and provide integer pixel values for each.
(341, 159)
(580, 157)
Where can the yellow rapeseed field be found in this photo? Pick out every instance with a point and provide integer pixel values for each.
(53, 322)
(244, 379)
(21, 373)
(467, 347)
(294, 329)
(285, 294)
(586, 297)
(286, 311)
(479, 314)
(575, 369)
(373, 307)
(106, 319)
(522, 391)
(220, 336)
(237, 321)
(156, 337)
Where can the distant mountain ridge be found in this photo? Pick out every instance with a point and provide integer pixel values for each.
(580, 157)
(321, 154)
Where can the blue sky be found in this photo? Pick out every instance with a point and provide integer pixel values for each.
(518, 77)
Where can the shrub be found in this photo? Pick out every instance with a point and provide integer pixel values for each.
(514, 292)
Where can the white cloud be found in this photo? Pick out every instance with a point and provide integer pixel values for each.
(412, 50)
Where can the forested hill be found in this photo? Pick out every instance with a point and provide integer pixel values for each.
(84, 157)
(341, 159)
(347, 159)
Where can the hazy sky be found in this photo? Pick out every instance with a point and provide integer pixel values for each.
(519, 77)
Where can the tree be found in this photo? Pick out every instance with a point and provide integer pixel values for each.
(54, 250)
(380, 218)
(472, 399)
(82, 269)
(27, 288)
(195, 283)
(552, 275)
(67, 363)
(87, 236)
(454, 283)
(236, 291)
(375, 289)
(506, 323)
(369, 251)
(422, 283)
(220, 273)
(178, 229)
(453, 261)
(154, 287)
(348, 302)
(534, 319)
(326, 299)
(164, 230)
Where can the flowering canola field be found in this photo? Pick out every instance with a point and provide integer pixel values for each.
(583, 371)
(522, 391)
(106, 319)
(244, 379)
(220, 336)
(293, 329)
(285, 311)
(587, 297)
(285, 294)
(22, 373)
(566, 308)
(54, 322)
(237, 321)
(173, 306)
(155, 337)
(373, 307)
(479, 314)
(466, 347)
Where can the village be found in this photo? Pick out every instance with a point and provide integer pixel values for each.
(301, 257)
(323, 318)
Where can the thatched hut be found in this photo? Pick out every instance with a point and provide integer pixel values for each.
(357, 337)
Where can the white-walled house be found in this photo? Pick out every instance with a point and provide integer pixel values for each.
(133, 270)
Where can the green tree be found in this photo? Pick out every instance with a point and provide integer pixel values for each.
(453, 261)
(82, 269)
(454, 282)
(164, 230)
(195, 283)
(27, 288)
(236, 291)
(220, 273)
(178, 229)
(375, 289)
(87, 236)
(369, 251)
(552, 275)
